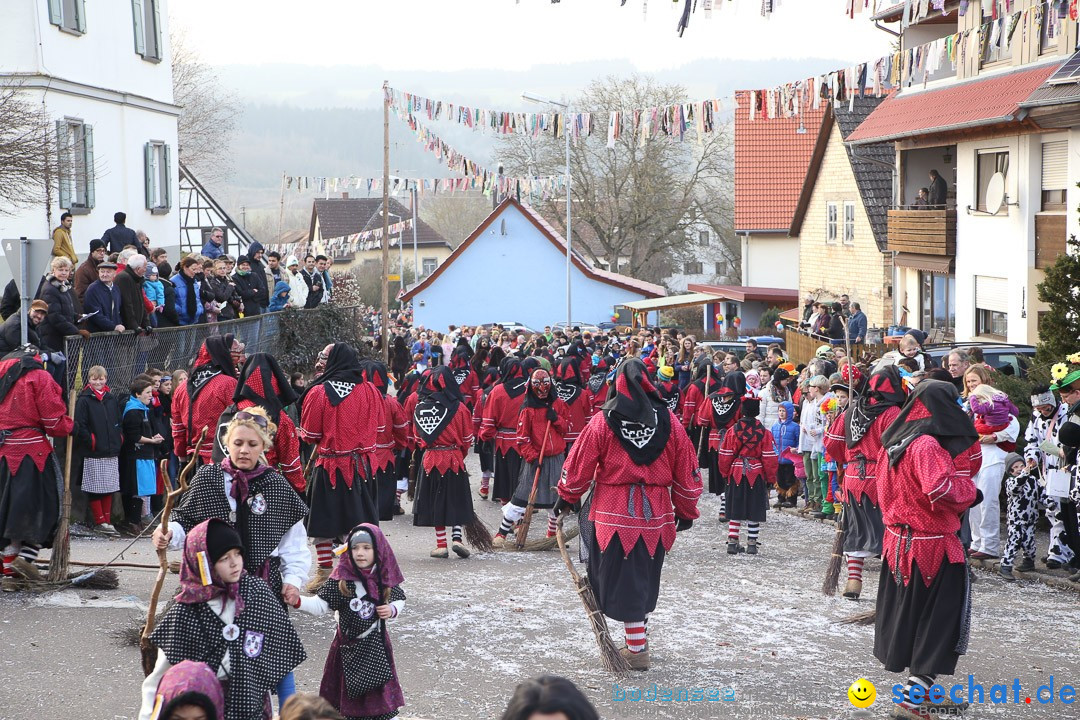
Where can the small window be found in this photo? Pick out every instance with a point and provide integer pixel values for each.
(1053, 200)
(991, 323)
(830, 222)
(692, 267)
(428, 265)
(146, 20)
(75, 150)
(849, 223)
(68, 15)
(721, 268)
(988, 163)
(158, 173)
(703, 238)
(1055, 174)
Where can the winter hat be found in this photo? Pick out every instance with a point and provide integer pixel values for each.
(666, 372)
(823, 351)
(98, 245)
(151, 271)
(220, 539)
(291, 261)
(1010, 459)
(39, 305)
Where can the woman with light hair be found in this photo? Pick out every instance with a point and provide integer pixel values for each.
(56, 292)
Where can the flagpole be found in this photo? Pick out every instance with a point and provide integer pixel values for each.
(384, 310)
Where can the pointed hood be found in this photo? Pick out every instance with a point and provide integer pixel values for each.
(636, 413)
(263, 382)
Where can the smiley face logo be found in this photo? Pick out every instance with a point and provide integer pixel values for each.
(862, 693)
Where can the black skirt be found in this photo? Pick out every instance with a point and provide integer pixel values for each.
(746, 502)
(485, 450)
(702, 447)
(717, 482)
(626, 588)
(507, 469)
(922, 628)
(863, 528)
(337, 510)
(386, 484)
(442, 500)
(30, 502)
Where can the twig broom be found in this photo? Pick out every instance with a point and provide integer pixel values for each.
(58, 562)
(836, 559)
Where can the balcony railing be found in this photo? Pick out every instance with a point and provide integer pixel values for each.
(924, 232)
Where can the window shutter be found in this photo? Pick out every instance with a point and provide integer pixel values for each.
(166, 178)
(63, 171)
(148, 174)
(80, 15)
(88, 159)
(1055, 165)
(56, 14)
(992, 293)
(157, 28)
(137, 21)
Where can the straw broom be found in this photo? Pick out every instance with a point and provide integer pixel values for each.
(836, 559)
(609, 654)
(58, 563)
(523, 529)
(149, 652)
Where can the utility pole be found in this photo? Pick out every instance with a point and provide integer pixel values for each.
(384, 325)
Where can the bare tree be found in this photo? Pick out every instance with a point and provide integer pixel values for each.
(208, 115)
(456, 215)
(633, 205)
(26, 159)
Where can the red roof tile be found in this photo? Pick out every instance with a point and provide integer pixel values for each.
(771, 159)
(983, 101)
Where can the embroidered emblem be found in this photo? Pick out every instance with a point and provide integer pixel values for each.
(722, 404)
(673, 402)
(204, 376)
(565, 391)
(637, 434)
(258, 504)
(364, 608)
(342, 388)
(461, 375)
(430, 418)
(230, 632)
(253, 644)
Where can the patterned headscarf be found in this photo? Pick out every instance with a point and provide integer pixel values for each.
(636, 413)
(198, 580)
(384, 572)
(885, 390)
(190, 683)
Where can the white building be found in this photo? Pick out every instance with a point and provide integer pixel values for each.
(102, 71)
(706, 259)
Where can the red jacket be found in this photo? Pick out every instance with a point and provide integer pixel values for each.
(750, 462)
(34, 410)
(532, 430)
(393, 433)
(704, 418)
(453, 444)
(500, 420)
(671, 485)
(284, 454)
(691, 399)
(579, 413)
(212, 400)
(346, 434)
(861, 460)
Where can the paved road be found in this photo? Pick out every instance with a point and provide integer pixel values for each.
(474, 628)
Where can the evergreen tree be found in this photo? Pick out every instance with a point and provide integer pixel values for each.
(1059, 329)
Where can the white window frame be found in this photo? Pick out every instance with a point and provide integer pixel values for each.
(68, 15)
(425, 262)
(704, 238)
(849, 222)
(157, 167)
(980, 191)
(143, 14)
(831, 218)
(75, 166)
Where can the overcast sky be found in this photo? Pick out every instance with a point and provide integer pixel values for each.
(463, 34)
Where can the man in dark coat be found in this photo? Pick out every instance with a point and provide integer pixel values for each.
(87, 274)
(251, 291)
(11, 301)
(130, 283)
(11, 332)
(103, 302)
(939, 191)
(258, 274)
(120, 235)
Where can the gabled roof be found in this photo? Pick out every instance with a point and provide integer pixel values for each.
(981, 102)
(771, 158)
(781, 297)
(623, 281)
(871, 164)
(339, 217)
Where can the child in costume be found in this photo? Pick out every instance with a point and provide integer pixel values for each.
(359, 677)
(228, 619)
(747, 459)
(185, 689)
(991, 410)
(1024, 497)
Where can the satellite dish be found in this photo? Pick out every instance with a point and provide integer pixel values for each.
(995, 193)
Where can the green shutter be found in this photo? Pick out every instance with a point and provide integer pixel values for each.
(56, 13)
(157, 28)
(166, 177)
(88, 159)
(148, 174)
(80, 15)
(137, 21)
(63, 170)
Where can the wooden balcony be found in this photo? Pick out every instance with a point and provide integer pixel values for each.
(1050, 232)
(924, 232)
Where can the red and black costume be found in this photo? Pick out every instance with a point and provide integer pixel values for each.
(343, 415)
(393, 436)
(262, 382)
(32, 410)
(485, 449)
(570, 388)
(693, 398)
(854, 440)
(671, 393)
(924, 480)
(747, 458)
(499, 424)
(639, 462)
(717, 413)
(406, 397)
(444, 430)
(199, 402)
(542, 425)
(464, 375)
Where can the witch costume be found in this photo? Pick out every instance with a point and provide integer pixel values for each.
(485, 449)
(343, 415)
(393, 436)
(747, 457)
(579, 402)
(464, 375)
(499, 424)
(638, 460)
(240, 630)
(190, 683)
(924, 479)
(360, 678)
(199, 402)
(32, 410)
(717, 413)
(854, 439)
(443, 425)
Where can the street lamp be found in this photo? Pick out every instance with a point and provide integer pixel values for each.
(531, 97)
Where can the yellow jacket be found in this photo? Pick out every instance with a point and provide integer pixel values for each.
(62, 245)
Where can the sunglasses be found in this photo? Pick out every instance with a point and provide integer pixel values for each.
(257, 419)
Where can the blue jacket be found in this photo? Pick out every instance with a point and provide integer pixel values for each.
(106, 301)
(857, 326)
(155, 291)
(786, 433)
(212, 251)
(280, 296)
(181, 301)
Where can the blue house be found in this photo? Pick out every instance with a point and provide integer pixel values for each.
(512, 269)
